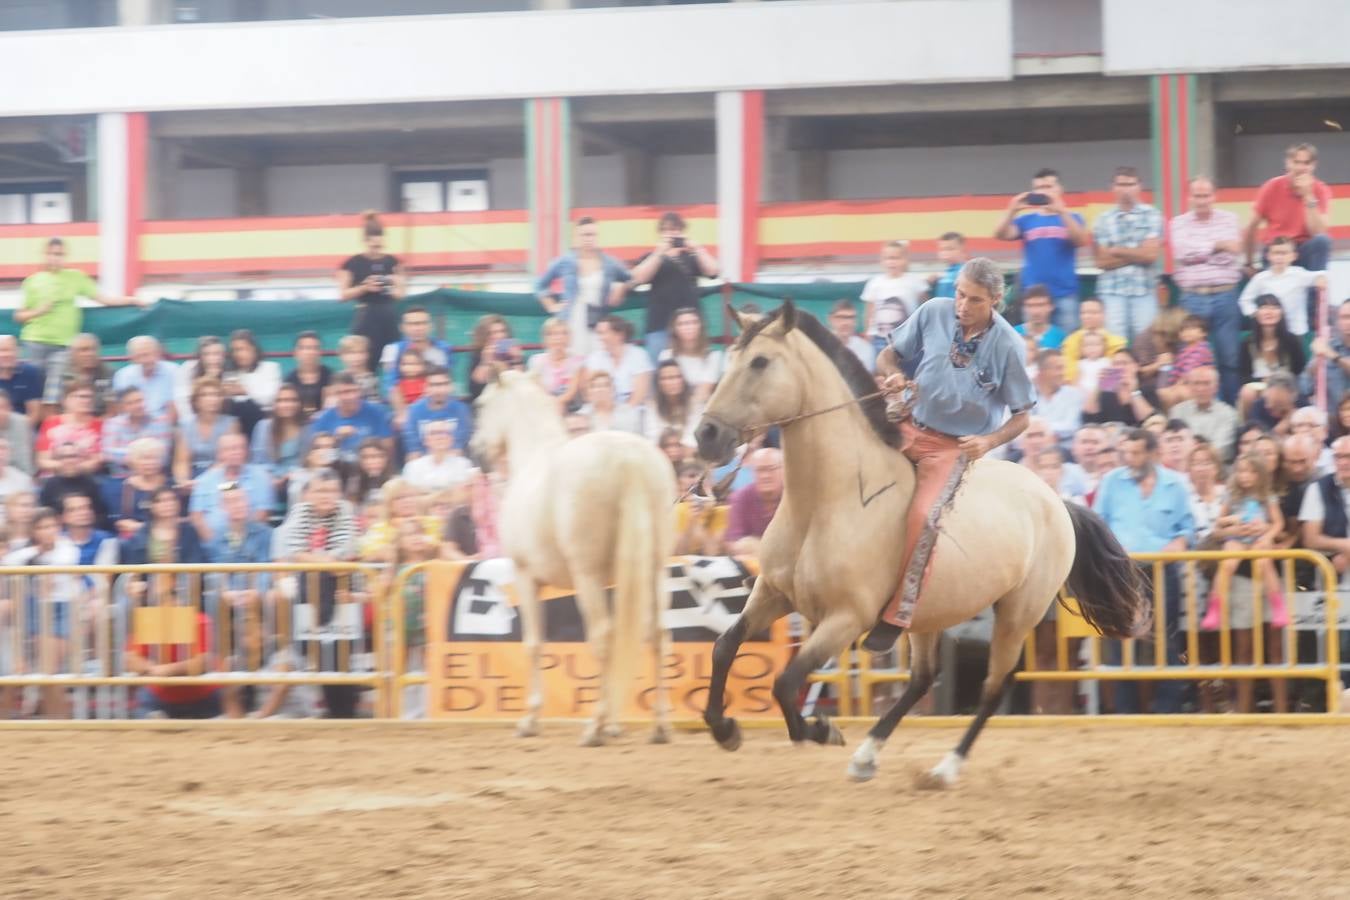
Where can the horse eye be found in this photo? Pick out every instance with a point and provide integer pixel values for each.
(759, 362)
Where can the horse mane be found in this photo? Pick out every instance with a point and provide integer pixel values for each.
(860, 382)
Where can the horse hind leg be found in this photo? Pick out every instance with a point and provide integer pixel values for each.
(590, 592)
(923, 672)
(1005, 647)
(660, 641)
(834, 633)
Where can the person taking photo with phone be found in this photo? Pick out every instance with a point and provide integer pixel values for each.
(1050, 237)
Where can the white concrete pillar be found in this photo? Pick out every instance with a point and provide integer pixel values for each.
(740, 167)
(113, 163)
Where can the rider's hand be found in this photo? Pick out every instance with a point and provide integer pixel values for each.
(975, 445)
(894, 383)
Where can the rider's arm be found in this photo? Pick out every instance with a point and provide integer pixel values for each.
(1010, 429)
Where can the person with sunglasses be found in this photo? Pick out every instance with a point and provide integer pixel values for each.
(972, 395)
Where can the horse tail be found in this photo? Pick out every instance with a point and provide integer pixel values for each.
(637, 574)
(1104, 580)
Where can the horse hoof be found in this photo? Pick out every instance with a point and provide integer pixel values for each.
(613, 731)
(659, 736)
(825, 732)
(932, 781)
(727, 733)
(592, 738)
(942, 776)
(862, 771)
(526, 728)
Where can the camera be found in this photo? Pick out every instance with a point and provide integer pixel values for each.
(503, 349)
(1036, 198)
(677, 242)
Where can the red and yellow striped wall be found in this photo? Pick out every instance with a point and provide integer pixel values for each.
(22, 246)
(788, 232)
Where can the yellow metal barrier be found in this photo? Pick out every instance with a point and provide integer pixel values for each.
(857, 674)
(70, 627)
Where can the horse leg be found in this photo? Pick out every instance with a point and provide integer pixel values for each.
(765, 606)
(923, 672)
(834, 633)
(531, 632)
(660, 702)
(1005, 648)
(599, 632)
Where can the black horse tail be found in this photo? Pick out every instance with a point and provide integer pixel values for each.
(1104, 580)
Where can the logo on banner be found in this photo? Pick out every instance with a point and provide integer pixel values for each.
(478, 668)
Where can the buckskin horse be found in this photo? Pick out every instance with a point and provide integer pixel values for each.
(832, 551)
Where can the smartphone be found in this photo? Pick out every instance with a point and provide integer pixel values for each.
(677, 242)
(1036, 198)
(504, 348)
(1110, 379)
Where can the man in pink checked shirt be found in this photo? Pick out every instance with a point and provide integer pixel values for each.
(1206, 253)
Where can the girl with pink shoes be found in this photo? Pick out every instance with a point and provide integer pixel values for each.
(1250, 520)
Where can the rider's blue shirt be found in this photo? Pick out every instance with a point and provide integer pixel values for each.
(964, 387)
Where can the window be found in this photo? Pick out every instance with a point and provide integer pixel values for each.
(35, 203)
(454, 190)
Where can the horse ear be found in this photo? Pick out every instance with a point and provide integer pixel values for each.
(787, 314)
(735, 316)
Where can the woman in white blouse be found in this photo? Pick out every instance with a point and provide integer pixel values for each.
(628, 364)
(251, 382)
(1205, 469)
(702, 366)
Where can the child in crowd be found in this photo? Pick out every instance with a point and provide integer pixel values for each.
(1249, 520)
(410, 385)
(891, 297)
(1091, 317)
(354, 351)
(1285, 280)
(951, 252)
(1093, 362)
(1194, 352)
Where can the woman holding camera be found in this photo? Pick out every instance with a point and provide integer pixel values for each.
(494, 349)
(375, 281)
(672, 269)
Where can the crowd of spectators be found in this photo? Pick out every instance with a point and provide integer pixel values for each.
(1185, 426)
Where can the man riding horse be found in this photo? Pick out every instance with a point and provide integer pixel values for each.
(969, 376)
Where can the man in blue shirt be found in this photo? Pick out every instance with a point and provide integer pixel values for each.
(1036, 309)
(156, 379)
(22, 381)
(1148, 508)
(415, 325)
(241, 540)
(1050, 236)
(969, 378)
(353, 419)
(231, 472)
(437, 406)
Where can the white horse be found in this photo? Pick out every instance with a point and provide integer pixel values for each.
(582, 514)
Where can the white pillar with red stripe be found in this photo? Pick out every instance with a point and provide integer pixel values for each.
(740, 167)
(122, 147)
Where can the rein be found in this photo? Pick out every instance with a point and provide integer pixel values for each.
(719, 490)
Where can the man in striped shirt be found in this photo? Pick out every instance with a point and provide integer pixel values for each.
(1206, 248)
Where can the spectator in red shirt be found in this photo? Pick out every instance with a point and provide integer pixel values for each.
(188, 701)
(1293, 205)
(753, 506)
(75, 425)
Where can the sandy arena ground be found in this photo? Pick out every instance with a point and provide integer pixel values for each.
(378, 811)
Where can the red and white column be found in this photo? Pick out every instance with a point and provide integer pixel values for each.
(740, 172)
(548, 166)
(123, 145)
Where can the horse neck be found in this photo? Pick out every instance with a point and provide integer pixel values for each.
(531, 434)
(825, 455)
